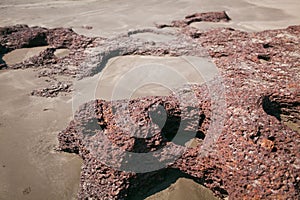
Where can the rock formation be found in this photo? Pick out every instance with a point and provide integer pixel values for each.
(256, 155)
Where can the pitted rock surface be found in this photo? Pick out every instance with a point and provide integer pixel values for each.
(256, 155)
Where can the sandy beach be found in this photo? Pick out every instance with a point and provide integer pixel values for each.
(110, 17)
(30, 166)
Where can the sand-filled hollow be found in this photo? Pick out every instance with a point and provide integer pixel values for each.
(128, 77)
(19, 55)
(184, 188)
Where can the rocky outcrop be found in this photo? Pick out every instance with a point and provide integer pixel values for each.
(256, 155)
(198, 17)
(22, 36)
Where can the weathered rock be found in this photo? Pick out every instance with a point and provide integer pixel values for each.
(52, 90)
(22, 36)
(197, 17)
(256, 155)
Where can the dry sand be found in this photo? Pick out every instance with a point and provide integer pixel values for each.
(29, 167)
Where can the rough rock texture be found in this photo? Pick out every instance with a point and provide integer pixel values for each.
(22, 36)
(52, 90)
(197, 17)
(124, 44)
(98, 118)
(257, 154)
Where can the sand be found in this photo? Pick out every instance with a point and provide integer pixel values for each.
(60, 53)
(30, 168)
(137, 76)
(184, 188)
(257, 15)
(110, 17)
(19, 55)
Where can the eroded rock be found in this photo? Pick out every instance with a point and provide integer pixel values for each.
(198, 17)
(256, 155)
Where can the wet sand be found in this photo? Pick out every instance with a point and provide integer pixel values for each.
(30, 168)
(140, 70)
(110, 17)
(184, 188)
(19, 55)
(257, 15)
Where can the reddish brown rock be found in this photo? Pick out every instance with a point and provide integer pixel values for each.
(22, 36)
(256, 155)
(198, 17)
